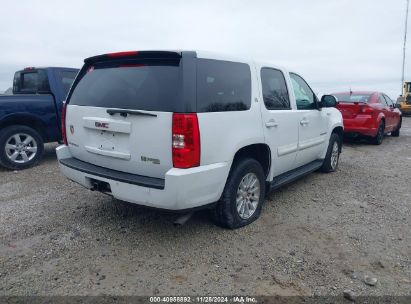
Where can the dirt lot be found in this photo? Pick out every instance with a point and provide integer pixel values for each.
(318, 236)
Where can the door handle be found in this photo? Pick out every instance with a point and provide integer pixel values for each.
(271, 124)
(304, 122)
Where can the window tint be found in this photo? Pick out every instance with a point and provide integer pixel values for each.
(388, 101)
(43, 81)
(304, 96)
(223, 86)
(66, 79)
(29, 81)
(16, 82)
(353, 97)
(139, 85)
(35, 81)
(275, 92)
(382, 101)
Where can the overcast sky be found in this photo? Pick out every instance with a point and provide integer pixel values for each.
(335, 45)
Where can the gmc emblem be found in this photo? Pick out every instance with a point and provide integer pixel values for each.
(101, 124)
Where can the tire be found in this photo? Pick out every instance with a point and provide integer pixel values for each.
(377, 140)
(28, 151)
(332, 157)
(226, 213)
(396, 133)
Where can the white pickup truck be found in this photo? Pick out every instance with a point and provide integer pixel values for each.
(184, 130)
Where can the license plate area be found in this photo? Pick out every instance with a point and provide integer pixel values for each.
(107, 140)
(107, 143)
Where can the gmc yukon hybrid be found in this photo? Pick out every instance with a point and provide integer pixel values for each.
(182, 130)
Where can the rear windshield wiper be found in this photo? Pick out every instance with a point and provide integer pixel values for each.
(124, 113)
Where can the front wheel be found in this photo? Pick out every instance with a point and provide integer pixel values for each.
(243, 195)
(20, 147)
(333, 154)
(396, 133)
(377, 140)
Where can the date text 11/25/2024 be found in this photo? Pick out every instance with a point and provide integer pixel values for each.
(203, 299)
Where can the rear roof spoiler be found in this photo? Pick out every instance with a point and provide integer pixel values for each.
(136, 55)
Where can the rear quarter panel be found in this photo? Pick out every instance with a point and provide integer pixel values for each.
(380, 116)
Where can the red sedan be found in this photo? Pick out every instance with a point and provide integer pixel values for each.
(372, 114)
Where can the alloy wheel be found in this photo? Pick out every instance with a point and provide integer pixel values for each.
(21, 148)
(248, 196)
(334, 155)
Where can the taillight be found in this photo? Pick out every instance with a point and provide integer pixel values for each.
(63, 123)
(186, 141)
(366, 110)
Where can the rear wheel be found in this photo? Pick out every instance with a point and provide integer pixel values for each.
(377, 140)
(396, 133)
(333, 154)
(20, 147)
(243, 195)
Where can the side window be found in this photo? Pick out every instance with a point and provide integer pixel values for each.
(275, 91)
(223, 86)
(382, 101)
(305, 97)
(389, 101)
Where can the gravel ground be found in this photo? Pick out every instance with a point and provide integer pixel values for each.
(318, 236)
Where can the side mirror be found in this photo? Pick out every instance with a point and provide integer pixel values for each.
(328, 101)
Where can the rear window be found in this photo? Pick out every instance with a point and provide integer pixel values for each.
(161, 85)
(223, 86)
(137, 85)
(353, 97)
(31, 82)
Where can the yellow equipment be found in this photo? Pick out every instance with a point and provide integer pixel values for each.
(404, 101)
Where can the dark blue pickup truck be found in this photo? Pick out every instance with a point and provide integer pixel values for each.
(31, 116)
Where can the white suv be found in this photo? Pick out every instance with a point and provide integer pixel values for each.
(183, 130)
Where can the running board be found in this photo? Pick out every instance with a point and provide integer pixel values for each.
(295, 174)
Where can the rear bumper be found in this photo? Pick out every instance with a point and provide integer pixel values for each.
(361, 125)
(114, 175)
(181, 189)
